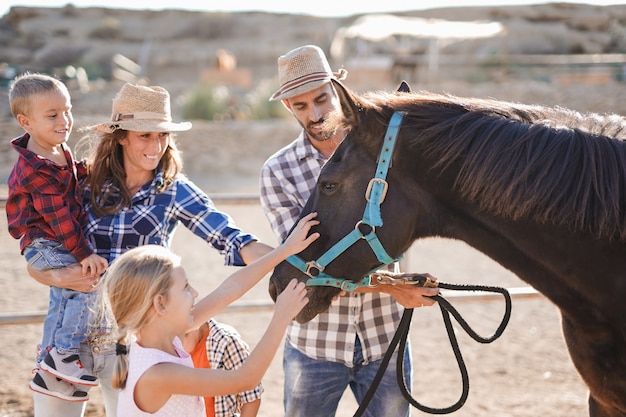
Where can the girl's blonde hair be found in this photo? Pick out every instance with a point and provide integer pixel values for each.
(130, 285)
(105, 164)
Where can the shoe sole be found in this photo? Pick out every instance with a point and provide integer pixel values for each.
(36, 388)
(51, 371)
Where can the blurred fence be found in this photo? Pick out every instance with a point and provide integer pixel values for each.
(256, 306)
(263, 305)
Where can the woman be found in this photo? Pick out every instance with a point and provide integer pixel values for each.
(136, 195)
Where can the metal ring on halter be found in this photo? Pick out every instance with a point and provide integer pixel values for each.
(360, 222)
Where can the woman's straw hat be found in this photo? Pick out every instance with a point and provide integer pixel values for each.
(141, 109)
(302, 70)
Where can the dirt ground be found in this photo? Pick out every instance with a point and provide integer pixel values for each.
(527, 372)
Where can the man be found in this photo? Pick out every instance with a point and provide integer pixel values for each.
(344, 345)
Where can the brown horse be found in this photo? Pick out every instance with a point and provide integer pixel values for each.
(540, 190)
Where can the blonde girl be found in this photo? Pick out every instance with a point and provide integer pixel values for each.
(147, 293)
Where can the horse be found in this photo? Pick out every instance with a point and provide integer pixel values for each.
(541, 190)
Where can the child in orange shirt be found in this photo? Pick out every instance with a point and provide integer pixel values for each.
(219, 346)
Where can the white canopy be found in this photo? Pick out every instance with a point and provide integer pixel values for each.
(377, 27)
(380, 26)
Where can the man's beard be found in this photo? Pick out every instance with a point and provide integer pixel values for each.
(323, 136)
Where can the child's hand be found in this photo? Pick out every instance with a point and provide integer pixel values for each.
(94, 265)
(297, 241)
(291, 300)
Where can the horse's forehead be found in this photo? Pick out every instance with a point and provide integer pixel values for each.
(351, 153)
(365, 138)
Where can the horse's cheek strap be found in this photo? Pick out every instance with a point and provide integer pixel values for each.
(377, 247)
(297, 262)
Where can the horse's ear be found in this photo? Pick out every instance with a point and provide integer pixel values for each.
(404, 87)
(349, 103)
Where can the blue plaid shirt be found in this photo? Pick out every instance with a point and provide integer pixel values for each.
(152, 218)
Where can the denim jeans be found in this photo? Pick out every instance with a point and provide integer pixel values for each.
(66, 324)
(101, 363)
(314, 388)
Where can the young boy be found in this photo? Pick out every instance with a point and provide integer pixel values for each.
(44, 211)
(219, 346)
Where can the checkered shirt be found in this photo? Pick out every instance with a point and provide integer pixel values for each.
(44, 200)
(287, 179)
(227, 350)
(152, 217)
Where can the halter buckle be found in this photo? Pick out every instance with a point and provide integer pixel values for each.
(383, 193)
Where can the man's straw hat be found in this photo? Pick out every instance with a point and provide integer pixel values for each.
(141, 109)
(302, 70)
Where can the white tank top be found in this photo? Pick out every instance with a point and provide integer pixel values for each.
(140, 359)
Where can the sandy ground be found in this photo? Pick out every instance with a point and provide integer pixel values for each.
(527, 372)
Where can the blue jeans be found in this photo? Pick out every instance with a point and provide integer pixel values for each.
(101, 363)
(66, 324)
(314, 388)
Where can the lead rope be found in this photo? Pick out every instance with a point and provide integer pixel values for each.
(401, 336)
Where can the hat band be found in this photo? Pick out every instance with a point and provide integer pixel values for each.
(318, 76)
(117, 117)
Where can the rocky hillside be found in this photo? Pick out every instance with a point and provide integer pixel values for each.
(172, 45)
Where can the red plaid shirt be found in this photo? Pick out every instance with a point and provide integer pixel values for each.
(44, 200)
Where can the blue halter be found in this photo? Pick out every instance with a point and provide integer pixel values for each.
(374, 195)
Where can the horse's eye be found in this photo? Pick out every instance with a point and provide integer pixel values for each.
(327, 186)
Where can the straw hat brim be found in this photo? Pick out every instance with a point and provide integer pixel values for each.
(305, 87)
(141, 126)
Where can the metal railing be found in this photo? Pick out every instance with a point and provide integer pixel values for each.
(35, 317)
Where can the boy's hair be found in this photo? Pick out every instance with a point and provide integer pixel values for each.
(27, 85)
(131, 283)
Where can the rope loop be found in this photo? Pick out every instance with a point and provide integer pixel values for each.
(401, 336)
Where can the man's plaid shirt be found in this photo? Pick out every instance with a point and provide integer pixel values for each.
(287, 179)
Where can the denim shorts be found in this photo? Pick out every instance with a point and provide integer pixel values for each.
(43, 254)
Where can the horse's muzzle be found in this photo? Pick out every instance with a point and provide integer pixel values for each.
(272, 290)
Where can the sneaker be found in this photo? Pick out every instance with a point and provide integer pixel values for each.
(47, 384)
(68, 368)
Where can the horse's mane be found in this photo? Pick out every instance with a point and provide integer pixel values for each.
(550, 164)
